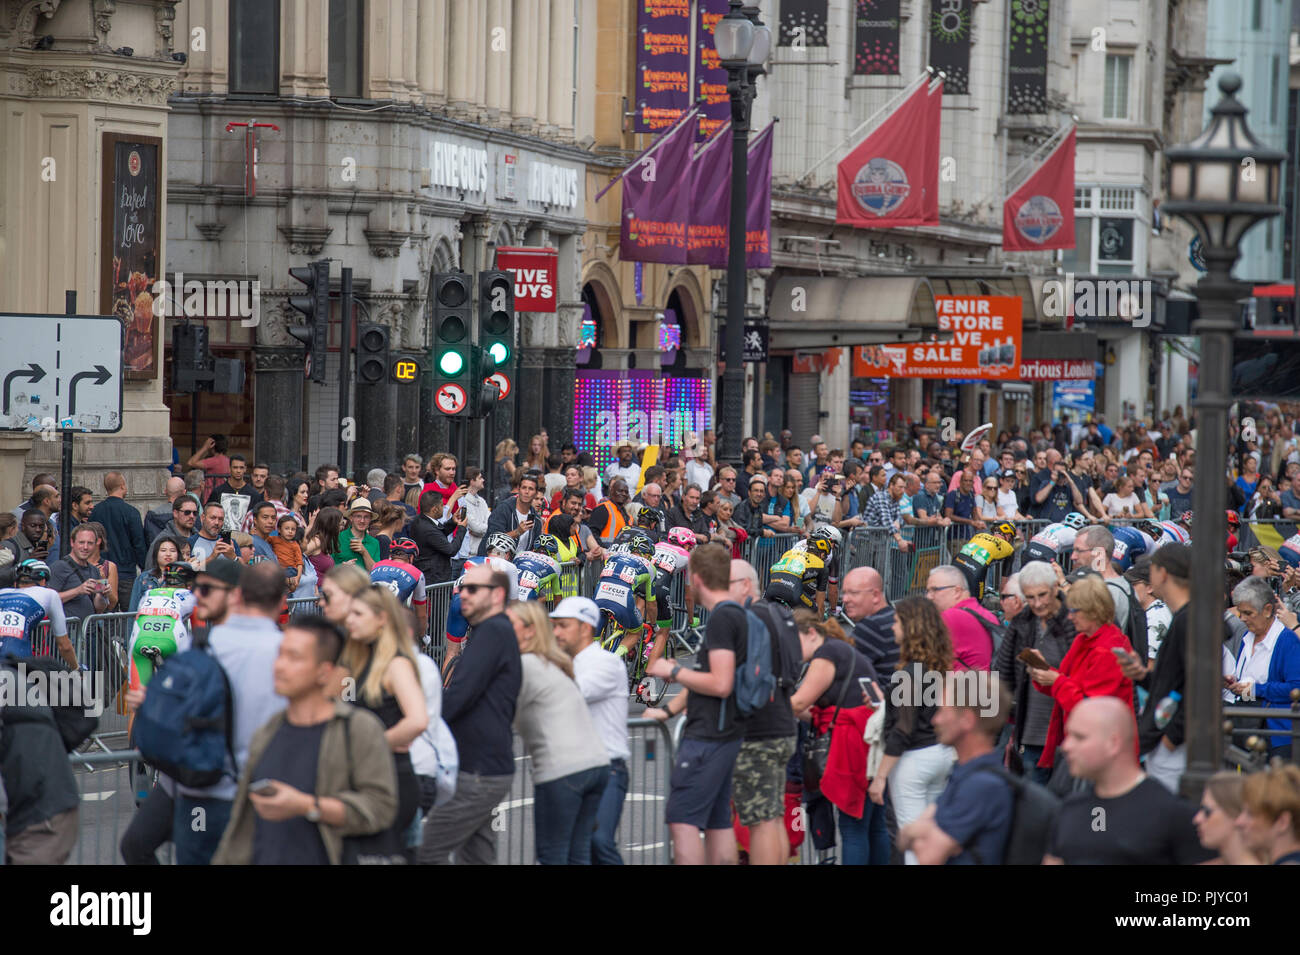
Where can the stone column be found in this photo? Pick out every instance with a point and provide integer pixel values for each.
(411, 50)
(203, 32)
(561, 73)
(523, 99)
(304, 49)
(385, 44)
(500, 53)
(460, 80)
(539, 41)
(432, 52)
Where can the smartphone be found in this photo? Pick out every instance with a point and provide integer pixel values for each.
(870, 691)
(263, 787)
(1120, 653)
(1033, 658)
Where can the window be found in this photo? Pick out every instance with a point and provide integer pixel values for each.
(1082, 198)
(347, 36)
(254, 46)
(1256, 14)
(1117, 77)
(1274, 100)
(1118, 199)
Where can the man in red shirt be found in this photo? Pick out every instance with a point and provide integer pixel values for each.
(443, 467)
(971, 644)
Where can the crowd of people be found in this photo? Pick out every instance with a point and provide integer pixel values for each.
(1042, 665)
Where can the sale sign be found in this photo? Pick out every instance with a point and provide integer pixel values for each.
(978, 337)
(535, 276)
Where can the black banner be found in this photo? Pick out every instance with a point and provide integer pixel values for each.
(1027, 57)
(950, 22)
(803, 23)
(129, 247)
(875, 38)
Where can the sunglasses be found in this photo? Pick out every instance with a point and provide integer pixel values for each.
(189, 513)
(204, 590)
(475, 588)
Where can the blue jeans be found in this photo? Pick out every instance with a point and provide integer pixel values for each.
(196, 835)
(564, 816)
(1033, 772)
(604, 844)
(864, 841)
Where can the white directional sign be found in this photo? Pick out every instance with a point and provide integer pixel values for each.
(450, 398)
(61, 373)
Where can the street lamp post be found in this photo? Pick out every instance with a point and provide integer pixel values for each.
(1222, 183)
(742, 42)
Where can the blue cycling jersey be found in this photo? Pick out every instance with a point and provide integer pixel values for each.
(21, 613)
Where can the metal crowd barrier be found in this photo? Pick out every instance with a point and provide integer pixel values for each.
(103, 645)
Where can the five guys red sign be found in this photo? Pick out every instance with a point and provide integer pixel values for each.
(534, 270)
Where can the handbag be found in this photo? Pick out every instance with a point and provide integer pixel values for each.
(817, 748)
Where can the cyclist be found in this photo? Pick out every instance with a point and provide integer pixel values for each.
(800, 577)
(651, 520)
(629, 566)
(162, 620)
(1130, 544)
(539, 570)
(500, 552)
(399, 574)
(983, 549)
(670, 560)
(1054, 539)
(1173, 533)
(1234, 524)
(25, 605)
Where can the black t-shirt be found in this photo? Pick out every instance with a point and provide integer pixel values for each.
(1148, 825)
(1059, 501)
(850, 666)
(290, 758)
(776, 720)
(728, 629)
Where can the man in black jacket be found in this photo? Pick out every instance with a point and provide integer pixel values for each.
(749, 515)
(1043, 625)
(127, 547)
(436, 548)
(688, 513)
(515, 517)
(479, 707)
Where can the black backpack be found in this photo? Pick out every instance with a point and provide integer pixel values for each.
(787, 652)
(997, 631)
(1033, 814)
(1135, 628)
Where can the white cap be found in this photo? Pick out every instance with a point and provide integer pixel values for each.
(578, 608)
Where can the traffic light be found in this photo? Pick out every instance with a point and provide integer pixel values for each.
(190, 358)
(452, 309)
(372, 353)
(483, 396)
(314, 302)
(496, 312)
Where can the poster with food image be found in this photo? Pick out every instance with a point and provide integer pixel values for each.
(131, 246)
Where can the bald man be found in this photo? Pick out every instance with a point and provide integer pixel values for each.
(156, 521)
(1128, 818)
(863, 596)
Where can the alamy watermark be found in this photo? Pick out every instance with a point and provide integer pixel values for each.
(1129, 300)
(916, 686)
(209, 298)
(632, 426)
(78, 689)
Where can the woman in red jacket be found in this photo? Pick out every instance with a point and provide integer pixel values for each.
(1090, 667)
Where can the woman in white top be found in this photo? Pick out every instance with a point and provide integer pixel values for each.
(570, 765)
(988, 501)
(1123, 500)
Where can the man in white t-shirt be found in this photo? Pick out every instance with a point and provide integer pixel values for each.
(602, 678)
(698, 471)
(625, 467)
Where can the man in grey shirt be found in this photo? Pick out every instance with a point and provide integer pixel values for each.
(246, 646)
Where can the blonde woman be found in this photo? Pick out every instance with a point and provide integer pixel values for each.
(570, 764)
(380, 655)
(337, 588)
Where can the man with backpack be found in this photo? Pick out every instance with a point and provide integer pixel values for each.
(770, 732)
(970, 822)
(699, 799)
(244, 647)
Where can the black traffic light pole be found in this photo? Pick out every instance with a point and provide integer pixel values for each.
(345, 368)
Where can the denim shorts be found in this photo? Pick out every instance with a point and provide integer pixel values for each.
(700, 791)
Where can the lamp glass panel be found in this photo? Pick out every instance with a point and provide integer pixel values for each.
(761, 47)
(733, 37)
(1214, 182)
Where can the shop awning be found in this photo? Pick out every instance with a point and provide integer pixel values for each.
(819, 312)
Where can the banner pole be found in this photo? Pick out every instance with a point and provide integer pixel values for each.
(907, 90)
(648, 150)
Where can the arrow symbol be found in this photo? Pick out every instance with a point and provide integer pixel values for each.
(100, 375)
(33, 373)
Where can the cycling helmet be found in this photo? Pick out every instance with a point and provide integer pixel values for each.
(824, 540)
(650, 517)
(1075, 520)
(32, 569)
(683, 537)
(1186, 518)
(636, 541)
(547, 544)
(1234, 519)
(1005, 528)
(502, 544)
(404, 547)
(179, 574)
(1150, 529)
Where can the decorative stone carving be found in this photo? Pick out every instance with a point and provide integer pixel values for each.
(164, 16)
(104, 10)
(24, 20)
(109, 85)
(385, 243)
(306, 239)
(278, 360)
(210, 230)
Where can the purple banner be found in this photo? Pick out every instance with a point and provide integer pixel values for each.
(663, 63)
(710, 77)
(706, 242)
(657, 201)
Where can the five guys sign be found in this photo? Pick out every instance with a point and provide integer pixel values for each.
(534, 270)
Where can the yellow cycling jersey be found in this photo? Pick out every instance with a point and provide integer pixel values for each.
(985, 549)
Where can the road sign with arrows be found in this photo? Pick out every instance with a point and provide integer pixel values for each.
(61, 373)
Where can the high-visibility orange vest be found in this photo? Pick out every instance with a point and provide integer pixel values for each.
(616, 522)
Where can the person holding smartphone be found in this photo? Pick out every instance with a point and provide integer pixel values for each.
(515, 515)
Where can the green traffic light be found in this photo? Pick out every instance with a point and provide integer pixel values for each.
(451, 363)
(499, 352)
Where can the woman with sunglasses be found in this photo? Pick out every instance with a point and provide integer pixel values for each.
(1216, 820)
(989, 510)
(380, 656)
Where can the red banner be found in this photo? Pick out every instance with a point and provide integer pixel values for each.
(979, 337)
(534, 270)
(1038, 369)
(892, 177)
(1040, 214)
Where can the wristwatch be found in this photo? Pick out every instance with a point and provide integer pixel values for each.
(313, 814)
(677, 667)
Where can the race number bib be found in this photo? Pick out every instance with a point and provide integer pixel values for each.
(12, 624)
(617, 593)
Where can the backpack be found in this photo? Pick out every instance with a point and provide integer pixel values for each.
(1135, 628)
(1033, 814)
(997, 631)
(185, 726)
(74, 723)
(756, 678)
(787, 652)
